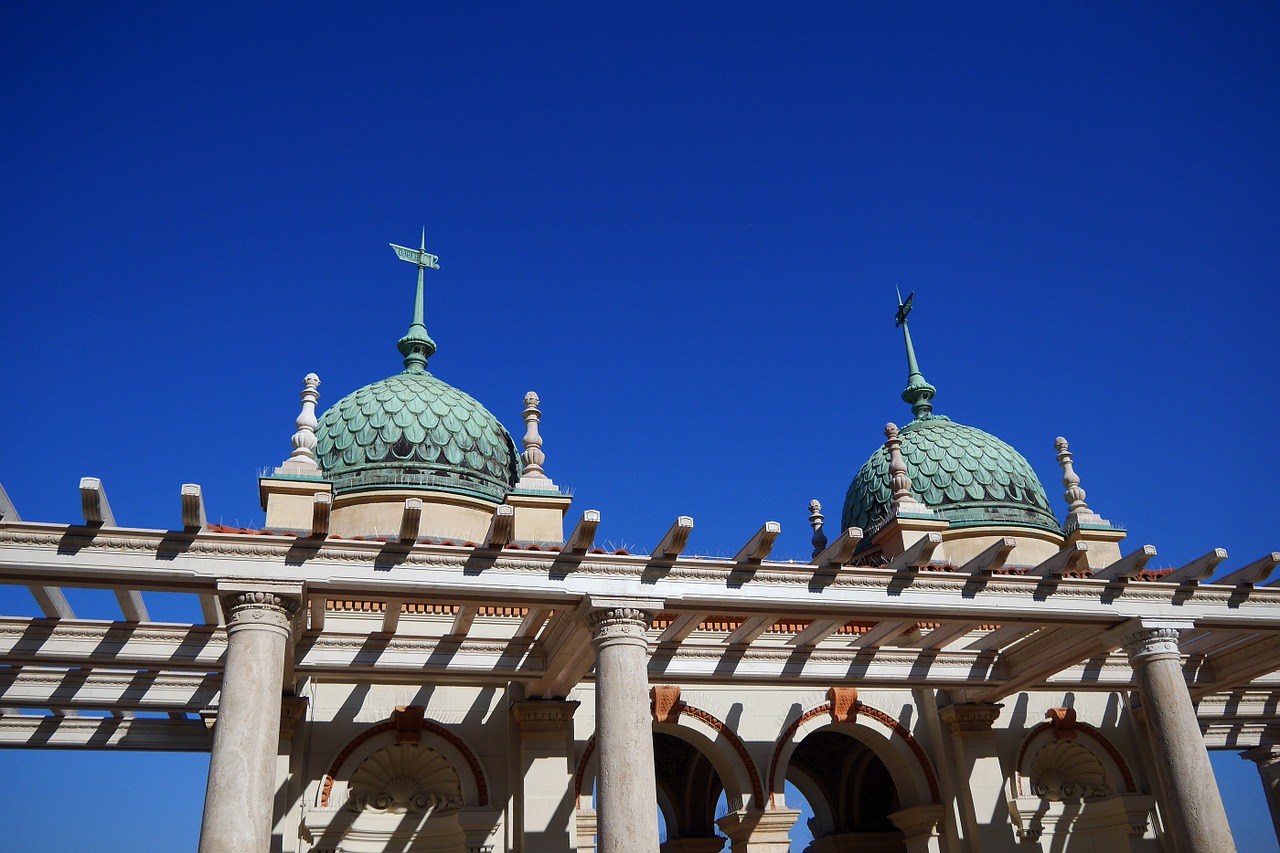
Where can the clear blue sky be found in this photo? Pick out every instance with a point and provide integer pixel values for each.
(681, 226)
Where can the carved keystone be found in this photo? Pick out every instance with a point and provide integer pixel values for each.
(666, 703)
(1064, 722)
(408, 723)
(844, 704)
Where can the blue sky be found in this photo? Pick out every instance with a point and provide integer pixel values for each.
(682, 227)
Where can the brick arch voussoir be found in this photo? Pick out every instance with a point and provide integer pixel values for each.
(876, 714)
(717, 724)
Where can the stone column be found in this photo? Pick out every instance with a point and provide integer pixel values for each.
(241, 789)
(756, 831)
(1267, 757)
(544, 805)
(626, 788)
(1193, 811)
(982, 780)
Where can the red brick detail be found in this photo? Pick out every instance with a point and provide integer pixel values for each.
(408, 723)
(875, 714)
(844, 704)
(1063, 721)
(666, 704)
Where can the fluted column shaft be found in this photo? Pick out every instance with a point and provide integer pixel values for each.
(1267, 757)
(1193, 811)
(241, 790)
(626, 787)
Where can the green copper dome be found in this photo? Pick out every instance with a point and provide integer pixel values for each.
(412, 430)
(967, 476)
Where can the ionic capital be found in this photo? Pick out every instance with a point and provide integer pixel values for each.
(1147, 640)
(970, 717)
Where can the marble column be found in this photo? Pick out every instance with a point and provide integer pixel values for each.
(626, 789)
(544, 805)
(1193, 811)
(1267, 757)
(981, 778)
(241, 789)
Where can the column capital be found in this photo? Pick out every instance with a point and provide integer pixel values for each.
(620, 618)
(753, 826)
(292, 710)
(969, 717)
(1145, 640)
(1266, 756)
(267, 605)
(543, 716)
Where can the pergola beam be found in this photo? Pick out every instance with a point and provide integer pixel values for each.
(133, 733)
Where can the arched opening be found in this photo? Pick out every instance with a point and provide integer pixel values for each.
(689, 791)
(851, 792)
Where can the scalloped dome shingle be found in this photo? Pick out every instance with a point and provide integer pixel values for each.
(412, 430)
(968, 476)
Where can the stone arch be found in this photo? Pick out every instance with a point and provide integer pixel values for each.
(408, 727)
(712, 737)
(1099, 745)
(1072, 785)
(902, 755)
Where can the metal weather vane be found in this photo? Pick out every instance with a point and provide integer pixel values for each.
(904, 308)
(417, 346)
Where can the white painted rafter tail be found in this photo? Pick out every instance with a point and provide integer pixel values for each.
(917, 555)
(1255, 573)
(760, 545)
(992, 558)
(93, 503)
(1198, 569)
(840, 551)
(1126, 567)
(675, 540)
(583, 537)
(193, 514)
(1073, 557)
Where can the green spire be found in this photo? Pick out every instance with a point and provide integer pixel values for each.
(416, 346)
(918, 392)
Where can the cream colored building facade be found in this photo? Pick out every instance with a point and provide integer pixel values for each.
(425, 649)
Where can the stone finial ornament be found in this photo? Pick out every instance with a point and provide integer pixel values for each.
(302, 460)
(531, 475)
(1078, 511)
(816, 520)
(1074, 494)
(533, 457)
(899, 482)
